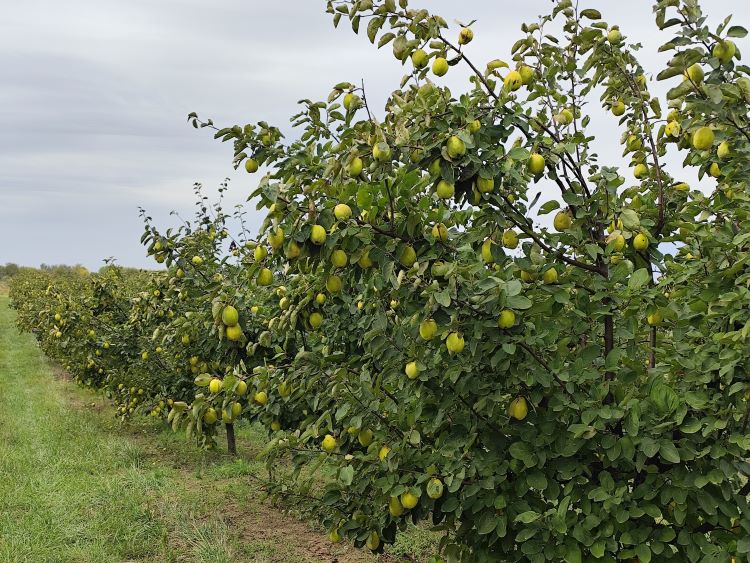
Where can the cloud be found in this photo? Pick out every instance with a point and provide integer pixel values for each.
(95, 95)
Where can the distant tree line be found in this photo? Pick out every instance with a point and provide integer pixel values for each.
(10, 269)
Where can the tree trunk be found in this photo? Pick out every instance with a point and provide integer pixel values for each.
(231, 443)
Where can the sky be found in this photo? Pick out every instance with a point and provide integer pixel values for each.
(94, 97)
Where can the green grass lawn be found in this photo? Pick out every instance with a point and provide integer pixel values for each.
(78, 486)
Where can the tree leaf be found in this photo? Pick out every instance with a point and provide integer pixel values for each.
(639, 278)
(597, 549)
(373, 27)
(487, 523)
(591, 14)
(443, 298)
(518, 153)
(669, 452)
(346, 475)
(669, 72)
(643, 552)
(528, 517)
(385, 38)
(573, 554)
(630, 219)
(548, 207)
(520, 302)
(537, 480)
(520, 450)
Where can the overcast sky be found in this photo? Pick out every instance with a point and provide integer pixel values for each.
(94, 96)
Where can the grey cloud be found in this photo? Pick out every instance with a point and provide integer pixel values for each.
(95, 93)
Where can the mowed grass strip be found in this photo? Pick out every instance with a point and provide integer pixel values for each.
(69, 490)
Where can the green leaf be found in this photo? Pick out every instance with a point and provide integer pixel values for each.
(593, 250)
(528, 517)
(487, 523)
(649, 447)
(373, 27)
(501, 527)
(668, 452)
(696, 399)
(443, 298)
(525, 534)
(644, 553)
(590, 353)
(364, 197)
(561, 296)
(537, 480)
(630, 219)
(521, 450)
(385, 38)
(519, 302)
(683, 89)
(740, 239)
(612, 361)
(597, 549)
(450, 505)
(707, 502)
(591, 14)
(496, 63)
(639, 278)
(666, 534)
(400, 47)
(737, 31)
(331, 497)
(670, 22)
(548, 207)
(664, 397)
(500, 502)
(572, 198)
(346, 475)
(518, 153)
(573, 554)
(690, 426)
(669, 72)
(513, 287)
(627, 449)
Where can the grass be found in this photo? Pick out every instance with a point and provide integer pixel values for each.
(71, 490)
(78, 486)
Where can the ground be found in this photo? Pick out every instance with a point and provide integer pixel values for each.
(76, 485)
